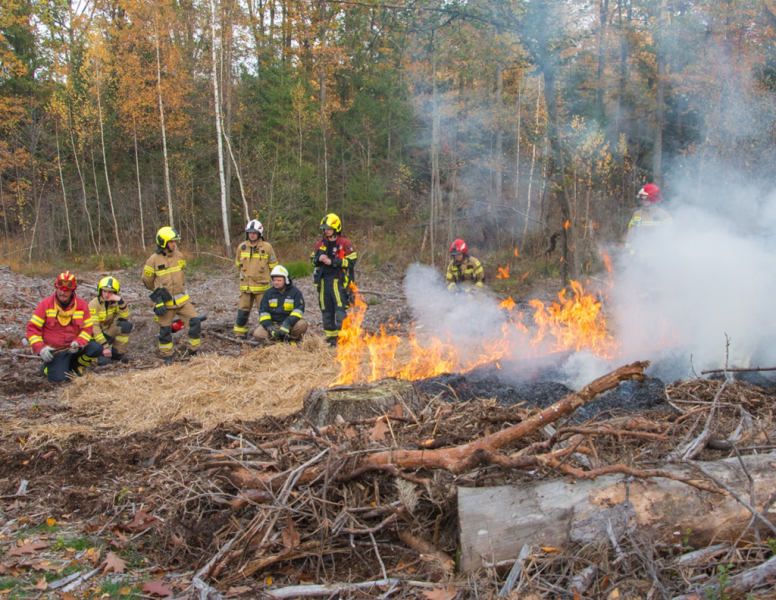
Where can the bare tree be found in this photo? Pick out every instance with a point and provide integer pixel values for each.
(164, 131)
(139, 192)
(217, 108)
(105, 165)
(64, 193)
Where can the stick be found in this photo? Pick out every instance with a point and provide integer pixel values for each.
(232, 340)
(308, 591)
(516, 571)
(742, 370)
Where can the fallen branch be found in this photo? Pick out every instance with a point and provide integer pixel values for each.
(742, 370)
(309, 591)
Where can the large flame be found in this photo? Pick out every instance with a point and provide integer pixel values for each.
(572, 323)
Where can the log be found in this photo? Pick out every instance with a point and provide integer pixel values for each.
(497, 522)
(356, 403)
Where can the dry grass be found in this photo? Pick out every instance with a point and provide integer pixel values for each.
(209, 389)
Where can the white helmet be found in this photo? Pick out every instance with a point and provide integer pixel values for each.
(280, 271)
(254, 226)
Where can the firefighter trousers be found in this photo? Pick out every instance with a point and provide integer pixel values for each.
(244, 307)
(333, 300)
(296, 333)
(118, 340)
(65, 364)
(188, 314)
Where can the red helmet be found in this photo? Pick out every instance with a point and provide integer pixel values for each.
(650, 193)
(66, 281)
(459, 247)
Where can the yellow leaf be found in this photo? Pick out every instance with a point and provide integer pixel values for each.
(51, 521)
(615, 593)
(125, 591)
(90, 551)
(268, 581)
(549, 549)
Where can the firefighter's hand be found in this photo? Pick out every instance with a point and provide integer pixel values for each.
(276, 334)
(47, 354)
(73, 347)
(160, 310)
(107, 352)
(325, 260)
(124, 326)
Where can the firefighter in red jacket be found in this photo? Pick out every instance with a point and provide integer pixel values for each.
(60, 331)
(334, 258)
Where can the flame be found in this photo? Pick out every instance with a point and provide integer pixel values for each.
(516, 253)
(503, 272)
(572, 323)
(607, 261)
(567, 224)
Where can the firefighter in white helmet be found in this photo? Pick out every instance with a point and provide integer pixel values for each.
(110, 321)
(282, 310)
(254, 258)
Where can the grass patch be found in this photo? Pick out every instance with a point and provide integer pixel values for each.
(120, 589)
(299, 269)
(77, 544)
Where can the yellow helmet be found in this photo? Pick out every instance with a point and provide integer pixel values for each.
(167, 234)
(331, 221)
(108, 283)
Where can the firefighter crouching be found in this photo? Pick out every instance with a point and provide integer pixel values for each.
(254, 259)
(165, 275)
(464, 273)
(60, 331)
(281, 310)
(110, 323)
(334, 258)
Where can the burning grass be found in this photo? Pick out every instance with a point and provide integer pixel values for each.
(209, 389)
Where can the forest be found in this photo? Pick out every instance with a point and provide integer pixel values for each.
(500, 120)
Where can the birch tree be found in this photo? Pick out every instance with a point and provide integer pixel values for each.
(217, 109)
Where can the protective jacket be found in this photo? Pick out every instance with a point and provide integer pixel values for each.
(283, 309)
(645, 219)
(469, 276)
(104, 315)
(255, 261)
(343, 260)
(52, 325)
(168, 270)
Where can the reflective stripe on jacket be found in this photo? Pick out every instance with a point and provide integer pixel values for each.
(648, 217)
(104, 314)
(468, 276)
(343, 257)
(44, 329)
(167, 270)
(255, 261)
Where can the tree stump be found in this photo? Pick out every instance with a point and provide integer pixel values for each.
(358, 402)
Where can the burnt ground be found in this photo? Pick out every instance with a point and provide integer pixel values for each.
(66, 506)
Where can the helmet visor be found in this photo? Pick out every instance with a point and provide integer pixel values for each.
(65, 284)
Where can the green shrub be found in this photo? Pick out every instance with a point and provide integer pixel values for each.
(299, 269)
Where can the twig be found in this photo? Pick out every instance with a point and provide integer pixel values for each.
(515, 572)
(741, 370)
(232, 340)
(309, 591)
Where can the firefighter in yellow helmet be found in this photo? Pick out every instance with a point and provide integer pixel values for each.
(254, 258)
(334, 258)
(110, 321)
(165, 275)
(464, 272)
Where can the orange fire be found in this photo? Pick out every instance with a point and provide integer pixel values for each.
(572, 323)
(503, 272)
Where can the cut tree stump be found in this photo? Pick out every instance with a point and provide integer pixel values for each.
(496, 522)
(356, 403)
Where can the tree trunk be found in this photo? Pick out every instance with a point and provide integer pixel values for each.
(657, 150)
(603, 11)
(83, 183)
(499, 158)
(64, 193)
(217, 108)
(435, 185)
(97, 194)
(323, 100)
(560, 512)
(105, 166)
(170, 215)
(139, 191)
(519, 109)
(533, 164)
(227, 39)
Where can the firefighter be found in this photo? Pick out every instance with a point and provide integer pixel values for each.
(165, 275)
(110, 321)
(464, 273)
(334, 258)
(282, 310)
(60, 332)
(646, 218)
(255, 258)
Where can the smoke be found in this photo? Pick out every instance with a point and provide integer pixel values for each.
(706, 280)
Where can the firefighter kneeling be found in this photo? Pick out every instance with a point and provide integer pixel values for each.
(281, 310)
(110, 323)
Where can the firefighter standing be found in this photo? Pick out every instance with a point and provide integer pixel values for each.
(646, 218)
(464, 273)
(60, 331)
(111, 327)
(165, 275)
(255, 258)
(334, 258)
(282, 310)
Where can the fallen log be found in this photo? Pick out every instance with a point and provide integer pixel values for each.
(496, 522)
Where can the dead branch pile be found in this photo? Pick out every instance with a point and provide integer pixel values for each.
(375, 500)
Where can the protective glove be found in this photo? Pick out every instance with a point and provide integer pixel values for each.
(73, 347)
(47, 354)
(160, 310)
(276, 333)
(285, 334)
(107, 352)
(124, 326)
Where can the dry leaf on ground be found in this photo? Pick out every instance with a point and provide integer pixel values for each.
(377, 433)
(114, 563)
(446, 593)
(28, 548)
(158, 588)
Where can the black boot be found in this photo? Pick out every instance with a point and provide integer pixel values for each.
(167, 361)
(102, 361)
(191, 352)
(119, 357)
(332, 341)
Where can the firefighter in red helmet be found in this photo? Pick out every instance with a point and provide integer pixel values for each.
(648, 217)
(464, 273)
